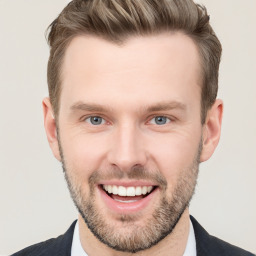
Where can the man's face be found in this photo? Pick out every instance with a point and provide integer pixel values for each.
(129, 123)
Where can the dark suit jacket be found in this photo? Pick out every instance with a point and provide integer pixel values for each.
(206, 245)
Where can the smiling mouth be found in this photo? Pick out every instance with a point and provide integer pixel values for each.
(127, 194)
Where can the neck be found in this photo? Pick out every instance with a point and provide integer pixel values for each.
(174, 244)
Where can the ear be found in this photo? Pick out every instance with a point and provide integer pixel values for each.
(212, 130)
(50, 128)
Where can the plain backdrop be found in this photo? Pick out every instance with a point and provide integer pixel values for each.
(35, 203)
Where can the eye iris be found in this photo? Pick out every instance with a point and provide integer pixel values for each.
(160, 120)
(96, 120)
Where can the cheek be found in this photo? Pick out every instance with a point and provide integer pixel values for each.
(174, 154)
(83, 154)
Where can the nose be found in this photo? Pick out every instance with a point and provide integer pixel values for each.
(127, 149)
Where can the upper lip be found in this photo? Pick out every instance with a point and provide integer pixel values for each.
(131, 183)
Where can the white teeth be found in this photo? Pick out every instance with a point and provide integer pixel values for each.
(115, 190)
(138, 191)
(144, 190)
(130, 191)
(127, 191)
(109, 189)
(122, 191)
(127, 201)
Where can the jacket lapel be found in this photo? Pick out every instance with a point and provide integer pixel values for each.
(204, 246)
(64, 243)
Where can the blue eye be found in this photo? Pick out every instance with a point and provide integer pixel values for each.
(160, 120)
(95, 120)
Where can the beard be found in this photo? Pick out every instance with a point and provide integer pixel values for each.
(131, 236)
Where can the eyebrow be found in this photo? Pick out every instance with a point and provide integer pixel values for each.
(165, 106)
(162, 106)
(90, 107)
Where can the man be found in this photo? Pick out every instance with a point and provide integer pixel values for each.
(131, 113)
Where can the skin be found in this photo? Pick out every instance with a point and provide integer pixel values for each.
(133, 83)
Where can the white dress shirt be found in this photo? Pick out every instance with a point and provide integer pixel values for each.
(77, 249)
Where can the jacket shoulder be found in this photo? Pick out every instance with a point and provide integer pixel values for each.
(40, 249)
(54, 246)
(224, 248)
(213, 246)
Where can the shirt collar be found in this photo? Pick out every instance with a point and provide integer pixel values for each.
(191, 243)
(77, 249)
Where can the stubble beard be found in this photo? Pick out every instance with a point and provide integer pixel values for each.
(132, 237)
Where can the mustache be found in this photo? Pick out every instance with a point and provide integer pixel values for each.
(135, 173)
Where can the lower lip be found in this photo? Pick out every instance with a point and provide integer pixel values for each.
(126, 208)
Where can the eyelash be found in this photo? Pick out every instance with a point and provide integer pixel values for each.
(168, 119)
(162, 117)
(94, 116)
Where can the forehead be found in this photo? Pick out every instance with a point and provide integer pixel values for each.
(151, 63)
(94, 52)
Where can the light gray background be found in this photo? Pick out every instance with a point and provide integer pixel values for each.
(35, 204)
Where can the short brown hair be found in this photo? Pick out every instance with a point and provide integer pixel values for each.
(116, 20)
